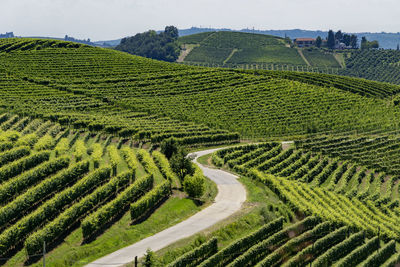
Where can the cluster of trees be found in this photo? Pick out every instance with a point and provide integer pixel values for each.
(162, 46)
(334, 39)
(191, 177)
(365, 44)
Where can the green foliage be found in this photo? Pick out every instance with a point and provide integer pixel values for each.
(380, 256)
(197, 255)
(169, 147)
(149, 44)
(378, 65)
(15, 186)
(15, 209)
(97, 220)
(13, 154)
(181, 165)
(229, 253)
(17, 167)
(360, 253)
(194, 185)
(63, 223)
(80, 150)
(165, 168)
(149, 259)
(44, 143)
(140, 208)
(18, 232)
(340, 250)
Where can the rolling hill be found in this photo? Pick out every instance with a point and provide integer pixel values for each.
(73, 118)
(110, 91)
(237, 48)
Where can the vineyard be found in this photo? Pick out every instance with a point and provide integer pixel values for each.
(378, 65)
(351, 194)
(150, 100)
(308, 241)
(236, 49)
(82, 130)
(54, 180)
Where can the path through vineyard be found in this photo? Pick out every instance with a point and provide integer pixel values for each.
(231, 195)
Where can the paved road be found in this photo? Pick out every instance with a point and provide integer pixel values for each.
(230, 197)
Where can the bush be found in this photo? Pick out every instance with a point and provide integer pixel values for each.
(194, 184)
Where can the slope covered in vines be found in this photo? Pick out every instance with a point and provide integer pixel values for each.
(105, 90)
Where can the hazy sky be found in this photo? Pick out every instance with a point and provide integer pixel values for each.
(112, 19)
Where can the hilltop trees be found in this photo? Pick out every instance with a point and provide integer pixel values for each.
(365, 44)
(331, 40)
(162, 46)
(335, 39)
(318, 41)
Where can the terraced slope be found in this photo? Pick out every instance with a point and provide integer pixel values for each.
(54, 180)
(105, 90)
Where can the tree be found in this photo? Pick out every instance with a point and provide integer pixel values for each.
(353, 41)
(181, 165)
(194, 185)
(163, 46)
(364, 43)
(169, 147)
(331, 40)
(149, 258)
(318, 41)
(339, 36)
(398, 47)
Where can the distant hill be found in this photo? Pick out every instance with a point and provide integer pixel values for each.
(227, 48)
(386, 40)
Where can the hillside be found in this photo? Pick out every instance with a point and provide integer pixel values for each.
(105, 90)
(378, 65)
(237, 48)
(55, 180)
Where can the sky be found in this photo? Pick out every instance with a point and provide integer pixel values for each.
(113, 19)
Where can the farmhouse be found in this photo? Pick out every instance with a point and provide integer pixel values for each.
(304, 42)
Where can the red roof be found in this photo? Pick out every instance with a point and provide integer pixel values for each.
(305, 39)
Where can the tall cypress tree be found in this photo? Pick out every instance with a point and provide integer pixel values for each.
(331, 40)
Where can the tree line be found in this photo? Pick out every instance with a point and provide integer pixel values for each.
(161, 46)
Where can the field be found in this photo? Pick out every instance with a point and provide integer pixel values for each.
(236, 49)
(378, 65)
(150, 100)
(55, 180)
(81, 170)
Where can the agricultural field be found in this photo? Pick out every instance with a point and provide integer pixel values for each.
(56, 181)
(151, 100)
(81, 170)
(237, 49)
(378, 65)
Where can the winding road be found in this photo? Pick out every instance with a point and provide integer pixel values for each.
(230, 197)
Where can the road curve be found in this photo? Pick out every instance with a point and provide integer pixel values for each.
(230, 197)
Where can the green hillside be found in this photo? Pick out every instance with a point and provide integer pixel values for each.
(378, 65)
(234, 48)
(75, 119)
(113, 92)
